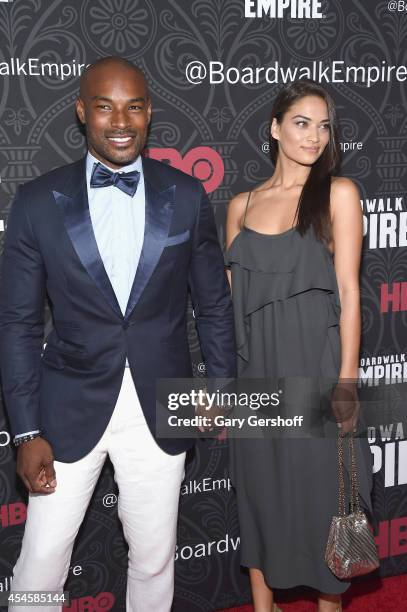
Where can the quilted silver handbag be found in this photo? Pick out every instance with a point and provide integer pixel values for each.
(350, 550)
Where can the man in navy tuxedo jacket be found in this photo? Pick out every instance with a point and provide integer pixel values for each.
(115, 241)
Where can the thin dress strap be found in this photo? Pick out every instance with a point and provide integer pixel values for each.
(247, 205)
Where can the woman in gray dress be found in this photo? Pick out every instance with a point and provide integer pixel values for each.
(293, 249)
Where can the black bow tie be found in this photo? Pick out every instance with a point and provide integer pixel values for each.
(126, 181)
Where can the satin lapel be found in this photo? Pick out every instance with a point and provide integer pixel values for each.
(159, 208)
(78, 224)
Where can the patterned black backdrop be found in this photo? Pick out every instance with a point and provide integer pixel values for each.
(214, 68)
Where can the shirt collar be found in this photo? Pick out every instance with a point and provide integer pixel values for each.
(91, 160)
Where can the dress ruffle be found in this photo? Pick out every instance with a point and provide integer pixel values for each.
(304, 265)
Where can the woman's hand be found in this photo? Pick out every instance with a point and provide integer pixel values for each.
(346, 406)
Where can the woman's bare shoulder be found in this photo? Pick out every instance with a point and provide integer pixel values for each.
(345, 198)
(238, 203)
(341, 186)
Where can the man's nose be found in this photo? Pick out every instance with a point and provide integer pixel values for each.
(120, 119)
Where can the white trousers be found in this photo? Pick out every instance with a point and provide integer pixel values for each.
(149, 483)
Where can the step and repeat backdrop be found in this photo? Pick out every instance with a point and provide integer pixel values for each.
(214, 68)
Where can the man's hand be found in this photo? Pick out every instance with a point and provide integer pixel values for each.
(35, 466)
(209, 414)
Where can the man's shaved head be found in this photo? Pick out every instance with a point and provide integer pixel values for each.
(110, 62)
(115, 108)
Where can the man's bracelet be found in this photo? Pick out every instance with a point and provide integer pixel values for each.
(26, 438)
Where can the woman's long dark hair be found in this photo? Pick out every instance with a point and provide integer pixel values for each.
(313, 205)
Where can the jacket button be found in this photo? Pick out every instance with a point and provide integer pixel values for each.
(125, 325)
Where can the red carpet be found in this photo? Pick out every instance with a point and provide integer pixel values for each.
(375, 595)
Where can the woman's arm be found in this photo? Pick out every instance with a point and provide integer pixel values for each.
(234, 219)
(347, 229)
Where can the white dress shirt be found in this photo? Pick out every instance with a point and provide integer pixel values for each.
(118, 224)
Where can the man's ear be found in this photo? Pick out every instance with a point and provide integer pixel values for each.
(80, 110)
(275, 129)
(149, 109)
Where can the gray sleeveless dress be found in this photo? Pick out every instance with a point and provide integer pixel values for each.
(287, 310)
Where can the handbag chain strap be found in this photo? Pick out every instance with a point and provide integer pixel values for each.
(354, 496)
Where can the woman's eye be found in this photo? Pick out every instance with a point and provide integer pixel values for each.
(301, 123)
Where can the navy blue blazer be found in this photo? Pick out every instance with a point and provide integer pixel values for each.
(70, 390)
